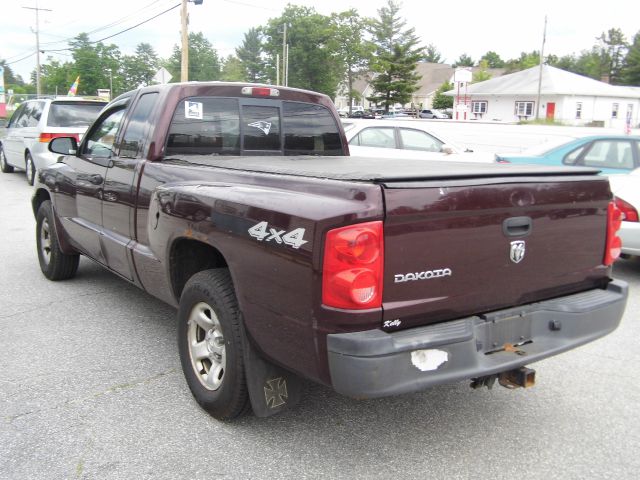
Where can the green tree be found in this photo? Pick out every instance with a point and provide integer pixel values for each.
(441, 101)
(481, 74)
(93, 62)
(396, 56)
(464, 60)
(613, 46)
(526, 60)
(250, 56)
(493, 60)
(431, 54)
(233, 70)
(140, 68)
(204, 63)
(55, 77)
(631, 68)
(354, 51)
(313, 61)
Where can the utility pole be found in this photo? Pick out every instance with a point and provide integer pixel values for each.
(284, 56)
(544, 38)
(37, 32)
(184, 66)
(184, 21)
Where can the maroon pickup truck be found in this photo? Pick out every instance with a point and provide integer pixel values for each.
(288, 259)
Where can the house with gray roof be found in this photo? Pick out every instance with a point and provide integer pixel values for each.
(564, 97)
(432, 76)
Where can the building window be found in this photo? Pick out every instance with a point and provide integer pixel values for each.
(578, 110)
(630, 111)
(614, 110)
(524, 109)
(479, 107)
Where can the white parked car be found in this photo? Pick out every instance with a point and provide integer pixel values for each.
(433, 113)
(24, 142)
(405, 138)
(626, 189)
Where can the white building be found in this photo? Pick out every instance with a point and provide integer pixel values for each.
(564, 97)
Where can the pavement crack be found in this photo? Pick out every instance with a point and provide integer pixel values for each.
(113, 389)
(49, 304)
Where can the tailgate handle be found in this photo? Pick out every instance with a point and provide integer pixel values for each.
(517, 226)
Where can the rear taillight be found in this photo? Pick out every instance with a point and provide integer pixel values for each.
(629, 214)
(613, 246)
(353, 267)
(47, 137)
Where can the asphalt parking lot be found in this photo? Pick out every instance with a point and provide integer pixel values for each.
(91, 387)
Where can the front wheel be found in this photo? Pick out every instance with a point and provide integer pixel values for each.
(30, 168)
(4, 166)
(55, 264)
(210, 344)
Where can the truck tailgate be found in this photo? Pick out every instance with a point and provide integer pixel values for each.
(471, 246)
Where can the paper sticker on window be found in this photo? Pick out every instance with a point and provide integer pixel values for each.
(193, 110)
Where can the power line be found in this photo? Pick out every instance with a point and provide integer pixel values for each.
(104, 27)
(120, 32)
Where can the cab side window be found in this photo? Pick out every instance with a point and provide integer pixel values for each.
(100, 142)
(133, 138)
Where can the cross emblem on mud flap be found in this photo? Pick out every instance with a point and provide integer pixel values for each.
(275, 393)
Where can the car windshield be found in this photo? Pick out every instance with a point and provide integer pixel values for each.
(73, 114)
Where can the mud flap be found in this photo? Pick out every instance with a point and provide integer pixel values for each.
(271, 388)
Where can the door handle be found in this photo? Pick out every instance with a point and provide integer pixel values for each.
(96, 179)
(517, 226)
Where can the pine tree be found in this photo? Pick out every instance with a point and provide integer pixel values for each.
(250, 56)
(631, 69)
(395, 59)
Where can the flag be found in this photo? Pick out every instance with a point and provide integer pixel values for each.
(627, 128)
(74, 87)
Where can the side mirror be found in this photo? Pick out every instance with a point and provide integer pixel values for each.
(448, 149)
(63, 145)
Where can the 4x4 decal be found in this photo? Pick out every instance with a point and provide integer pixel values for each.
(262, 232)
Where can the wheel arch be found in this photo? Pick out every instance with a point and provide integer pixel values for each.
(40, 195)
(188, 257)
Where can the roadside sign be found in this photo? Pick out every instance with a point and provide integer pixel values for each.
(162, 76)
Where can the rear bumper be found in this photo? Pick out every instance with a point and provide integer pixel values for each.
(376, 364)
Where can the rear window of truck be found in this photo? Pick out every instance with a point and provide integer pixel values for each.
(226, 126)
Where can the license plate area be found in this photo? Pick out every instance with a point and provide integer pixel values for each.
(510, 330)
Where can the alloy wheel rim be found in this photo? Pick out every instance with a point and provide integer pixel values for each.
(45, 241)
(206, 343)
(29, 169)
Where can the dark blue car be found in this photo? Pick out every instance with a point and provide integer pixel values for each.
(609, 153)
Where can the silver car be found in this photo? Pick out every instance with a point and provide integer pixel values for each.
(24, 141)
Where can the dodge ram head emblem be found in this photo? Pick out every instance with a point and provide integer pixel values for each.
(517, 251)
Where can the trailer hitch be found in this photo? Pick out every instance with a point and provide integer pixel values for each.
(520, 377)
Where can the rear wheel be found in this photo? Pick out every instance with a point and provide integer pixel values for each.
(30, 168)
(210, 344)
(55, 264)
(4, 166)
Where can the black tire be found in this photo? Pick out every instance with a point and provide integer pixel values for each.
(29, 168)
(4, 166)
(54, 264)
(210, 344)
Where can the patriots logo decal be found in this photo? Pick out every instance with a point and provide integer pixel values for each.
(262, 125)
